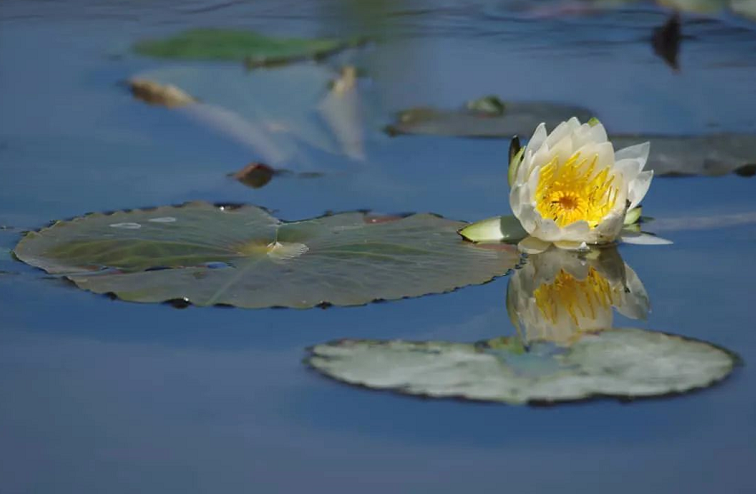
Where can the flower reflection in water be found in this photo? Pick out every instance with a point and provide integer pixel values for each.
(559, 295)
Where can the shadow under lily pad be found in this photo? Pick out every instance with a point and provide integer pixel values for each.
(244, 257)
(619, 363)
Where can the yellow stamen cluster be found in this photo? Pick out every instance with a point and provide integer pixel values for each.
(582, 297)
(571, 191)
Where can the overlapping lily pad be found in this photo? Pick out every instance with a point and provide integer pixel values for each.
(242, 256)
(253, 48)
(621, 363)
(709, 155)
(487, 117)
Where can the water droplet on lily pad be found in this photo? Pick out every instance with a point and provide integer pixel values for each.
(342, 259)
(621, 363)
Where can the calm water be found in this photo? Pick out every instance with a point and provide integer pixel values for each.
(105, 396)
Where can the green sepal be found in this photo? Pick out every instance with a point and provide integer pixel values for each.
(633, 216)
(516, 152)
(497, 229)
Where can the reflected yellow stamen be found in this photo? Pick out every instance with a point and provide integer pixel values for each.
(571, 192)
(577, 297)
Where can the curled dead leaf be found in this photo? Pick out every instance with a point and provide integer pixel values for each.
(159, 94)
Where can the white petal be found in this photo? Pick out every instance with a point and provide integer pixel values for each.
(637, 188)
(515, 200)
(540, 158)
(644, 239)
(563, 149)
(579, 231)
(603, 150)
(629, 168)
(636, 152)
(539, 136)
(528, 217)
(547, 229)
(563, 130)
(598, 133)
(610, 227)
(532, 245)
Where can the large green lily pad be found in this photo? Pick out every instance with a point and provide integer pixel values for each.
(621, 363)
(254, 48)
(244, 257)
(502, 119)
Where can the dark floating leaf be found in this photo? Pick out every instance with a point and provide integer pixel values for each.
(254, 49)
(666, 41)
(619, 363)
(711, 155)
(485, 120)
(255, 175)
(746, 170)
(243, 256)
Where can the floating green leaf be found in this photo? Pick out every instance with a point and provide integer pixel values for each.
(243, 256)
(253, 48)
(622, 363)
(712, 155)
(514, 118)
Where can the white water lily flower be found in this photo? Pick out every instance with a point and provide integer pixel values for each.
(571, 188)
(558, 295)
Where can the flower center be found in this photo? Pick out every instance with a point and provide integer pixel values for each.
(573, 192)
(578, 298)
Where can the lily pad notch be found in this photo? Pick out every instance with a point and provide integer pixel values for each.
(242, 256)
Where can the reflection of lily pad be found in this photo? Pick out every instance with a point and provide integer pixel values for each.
(297, 108)
(517, 118)
(254, 48)
(242, 256)
(621, 363)
(714, 154)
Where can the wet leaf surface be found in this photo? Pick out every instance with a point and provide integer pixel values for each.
(253, 48)
(620, 363)
(709, 155)
(484, 118)
(244, 257)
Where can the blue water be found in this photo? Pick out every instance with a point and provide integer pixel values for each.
(105, 396)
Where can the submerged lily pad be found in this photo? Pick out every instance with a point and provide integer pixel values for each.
(244, 257)
(711, 155)
(254, 48)
(622, 363)
(485, 118)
